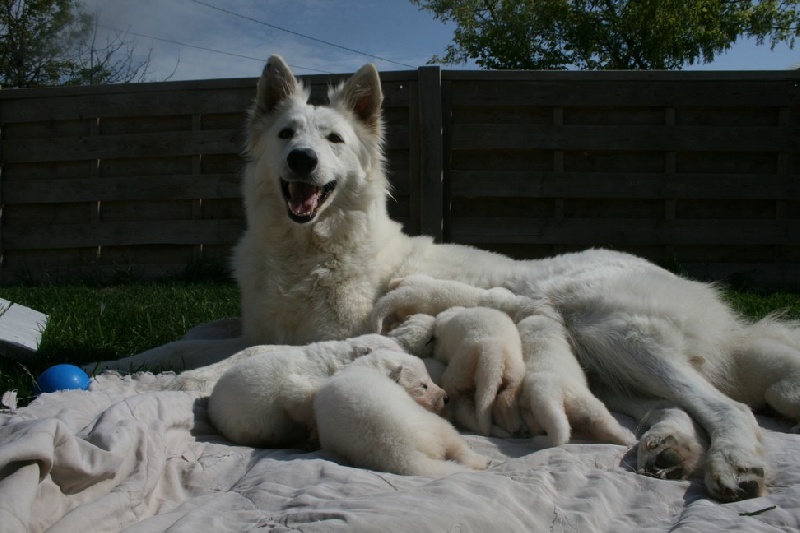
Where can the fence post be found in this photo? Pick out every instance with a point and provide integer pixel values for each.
(2, 243)
(430, 150)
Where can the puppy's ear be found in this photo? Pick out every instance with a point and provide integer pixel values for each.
(361, 351)
(396, 373)
(276, 84)
(363, 96)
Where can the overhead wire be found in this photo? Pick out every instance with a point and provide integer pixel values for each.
(206, 49)
(298, 34)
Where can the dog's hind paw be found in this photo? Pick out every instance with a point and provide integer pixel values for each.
(667, 456)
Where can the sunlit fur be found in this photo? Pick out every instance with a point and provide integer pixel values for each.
(639, 332)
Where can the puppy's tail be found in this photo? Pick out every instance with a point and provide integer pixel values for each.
(488, 378)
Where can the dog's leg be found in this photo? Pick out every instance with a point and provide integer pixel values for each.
(770, 362)
(178, 355)
(671, 446)
(505, 410)
(555, 393)
(426, 295)
(457, 449)
(784, 397)
(461, 411)
(651, 359)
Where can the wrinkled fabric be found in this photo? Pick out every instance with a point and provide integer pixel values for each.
(128, 455)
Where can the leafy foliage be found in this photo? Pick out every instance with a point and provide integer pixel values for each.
(607, 34)
(54, 42)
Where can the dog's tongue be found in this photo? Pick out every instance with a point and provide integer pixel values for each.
(303, 198)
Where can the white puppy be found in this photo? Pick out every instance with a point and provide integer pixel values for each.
(554, 388)
(483, 353)
(204, 378)
(266, 400)
(373, 423)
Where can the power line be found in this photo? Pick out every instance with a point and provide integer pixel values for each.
(186, 45)
(245, 17)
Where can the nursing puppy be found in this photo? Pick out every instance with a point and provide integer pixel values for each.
(266, 400)
(482, 352)
(554, 390)
(372, 422)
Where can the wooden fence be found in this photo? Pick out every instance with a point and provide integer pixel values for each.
(700, 170)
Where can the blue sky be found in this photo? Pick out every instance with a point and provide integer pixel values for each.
(354, 32)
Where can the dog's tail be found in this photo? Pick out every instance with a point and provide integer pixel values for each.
(488, 378)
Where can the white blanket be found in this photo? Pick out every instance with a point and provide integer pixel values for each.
(130, 456)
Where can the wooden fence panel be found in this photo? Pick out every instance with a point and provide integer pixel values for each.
(683, 168)
(700, 169)
(142, 178)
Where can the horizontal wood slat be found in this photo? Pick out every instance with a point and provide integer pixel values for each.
(702, 168)
(31, 237)
(642, 185)
(624, 138)
(605, 232)
(207, 186)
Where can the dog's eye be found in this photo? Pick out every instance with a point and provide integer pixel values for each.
(286, 133)
(424, 386)
(335, 138)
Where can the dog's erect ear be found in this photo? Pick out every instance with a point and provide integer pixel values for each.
(363, 96)
(276, 84)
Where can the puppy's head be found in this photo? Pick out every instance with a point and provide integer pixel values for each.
(415, 334)
(420, 386)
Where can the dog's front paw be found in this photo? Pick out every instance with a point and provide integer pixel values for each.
(734, 473)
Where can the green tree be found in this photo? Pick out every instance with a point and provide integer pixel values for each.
(54, 42)
(607, 34)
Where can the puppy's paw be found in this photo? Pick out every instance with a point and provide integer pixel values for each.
(476, 461)
(194, 381)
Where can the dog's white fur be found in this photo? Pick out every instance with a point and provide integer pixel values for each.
(482, 352)
(373, 423)
(554, 390)
(310, 268)
(265, 400)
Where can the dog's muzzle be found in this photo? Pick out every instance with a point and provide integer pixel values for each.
(304, 200)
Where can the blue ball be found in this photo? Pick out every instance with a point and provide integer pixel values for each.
(61, 377)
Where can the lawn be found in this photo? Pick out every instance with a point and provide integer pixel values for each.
(95, 322)
(89, 323)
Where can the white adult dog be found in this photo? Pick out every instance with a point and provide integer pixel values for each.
(266, 400)
(482, 352)
(319, 249)
(373, 423)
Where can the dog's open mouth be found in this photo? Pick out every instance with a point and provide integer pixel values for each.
(304, 200)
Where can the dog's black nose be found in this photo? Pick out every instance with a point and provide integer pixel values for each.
(302, 161)
(446, 399)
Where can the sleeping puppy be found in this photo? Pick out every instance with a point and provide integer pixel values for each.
(336, 353)
(267, 399)
(372, 422)
(483, 353)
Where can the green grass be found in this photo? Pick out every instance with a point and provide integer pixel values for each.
(92, 323)
(95, 322)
